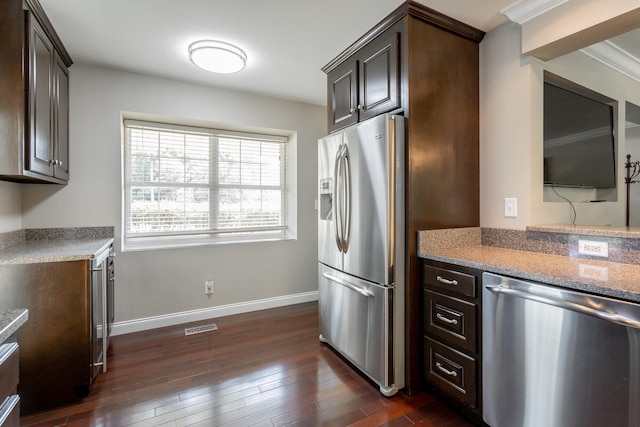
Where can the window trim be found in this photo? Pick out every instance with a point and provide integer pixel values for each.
(162, 240)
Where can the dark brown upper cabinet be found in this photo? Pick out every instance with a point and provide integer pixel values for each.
(367, 84)
(34, 96)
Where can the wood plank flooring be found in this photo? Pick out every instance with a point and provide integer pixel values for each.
(261, 369)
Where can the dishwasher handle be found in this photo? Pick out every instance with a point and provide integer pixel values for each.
(579, 308)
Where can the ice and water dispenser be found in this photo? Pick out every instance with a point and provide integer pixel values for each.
(326, 199)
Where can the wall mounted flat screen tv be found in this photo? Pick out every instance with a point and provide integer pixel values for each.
(579, 146)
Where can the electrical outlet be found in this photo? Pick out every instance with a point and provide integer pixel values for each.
(594, 248)
(208, 287)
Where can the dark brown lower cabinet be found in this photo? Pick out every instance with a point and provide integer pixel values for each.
(452, 345)
(55, 344)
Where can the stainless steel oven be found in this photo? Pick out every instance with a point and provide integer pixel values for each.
(555, 357)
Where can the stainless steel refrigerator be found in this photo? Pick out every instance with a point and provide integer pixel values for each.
(361, 247)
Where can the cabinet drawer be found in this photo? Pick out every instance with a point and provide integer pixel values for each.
(10, 412)
(8, 369)
(451, 371)
(452, 281)
(452, 320)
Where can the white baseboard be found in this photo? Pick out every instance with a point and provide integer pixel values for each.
(146, 323)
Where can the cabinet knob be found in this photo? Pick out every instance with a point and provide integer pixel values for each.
(360, 107)
(353, 110)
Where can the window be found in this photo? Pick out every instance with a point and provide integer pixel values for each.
(190, 183)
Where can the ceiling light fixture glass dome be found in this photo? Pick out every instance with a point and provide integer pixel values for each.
(217, 56)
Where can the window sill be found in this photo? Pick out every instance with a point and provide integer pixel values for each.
(158, 243)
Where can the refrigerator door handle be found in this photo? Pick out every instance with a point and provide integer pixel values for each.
(337, 217)
(351, 286)
(346, 220)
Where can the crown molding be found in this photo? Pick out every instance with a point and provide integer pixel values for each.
(615, 57)
(525, 10)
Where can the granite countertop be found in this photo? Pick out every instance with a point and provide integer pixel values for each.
(611, 279)
(37, 251)
(53, 245)
(10, 321)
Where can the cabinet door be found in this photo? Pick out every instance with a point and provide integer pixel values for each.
(343, 95)
(55, 346)
(61, 114)
(379, 76)
(39, 148)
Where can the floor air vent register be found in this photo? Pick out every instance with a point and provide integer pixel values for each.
(200, 329)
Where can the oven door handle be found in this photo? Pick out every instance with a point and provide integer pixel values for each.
(579, 308)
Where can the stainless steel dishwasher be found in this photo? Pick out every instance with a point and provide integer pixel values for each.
(556, 357)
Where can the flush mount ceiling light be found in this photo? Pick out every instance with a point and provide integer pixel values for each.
(217, 56)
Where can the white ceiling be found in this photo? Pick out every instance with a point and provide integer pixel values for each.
(287, 41)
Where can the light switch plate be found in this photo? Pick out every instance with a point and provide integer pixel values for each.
(510, 207)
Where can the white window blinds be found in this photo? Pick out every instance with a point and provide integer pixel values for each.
(191, 181)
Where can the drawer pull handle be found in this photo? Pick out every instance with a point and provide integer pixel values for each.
(445, 370)
(447, 281)
(447, 320)
(7, 407)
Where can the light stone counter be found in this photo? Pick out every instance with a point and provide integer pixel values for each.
(613, 279)
(53, 245)
(38, 251)
(10, 322)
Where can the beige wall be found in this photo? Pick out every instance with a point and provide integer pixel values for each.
(506, 127)
(576, 24)
(511, 87)
(163, 282)
(10, 207)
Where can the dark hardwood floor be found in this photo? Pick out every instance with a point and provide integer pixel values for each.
(264, 368)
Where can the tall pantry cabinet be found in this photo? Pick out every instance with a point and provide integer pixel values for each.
(425, 66)
(34, 96)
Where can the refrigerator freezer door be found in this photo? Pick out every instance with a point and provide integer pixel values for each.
(328, 252)
(356, 319)
(370, 178)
